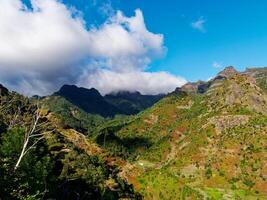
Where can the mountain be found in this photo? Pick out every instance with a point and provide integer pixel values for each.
(227, 72)
(206, 140)
(90, 100)
(132, 102)
(202, 86)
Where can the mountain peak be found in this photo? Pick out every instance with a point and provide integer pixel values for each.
(90, 100)
(228, 72)
(74, 88)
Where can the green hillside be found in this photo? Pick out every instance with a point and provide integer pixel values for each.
(72, 116)
(200, 145)
(60, 162)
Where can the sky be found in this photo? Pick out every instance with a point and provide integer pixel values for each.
(145, 45)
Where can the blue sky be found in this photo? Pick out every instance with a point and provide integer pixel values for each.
(112, 45)
(235, 32)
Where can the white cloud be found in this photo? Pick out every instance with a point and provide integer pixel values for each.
(145, 82)
(216, 64)
(48, 46)
(199, 24)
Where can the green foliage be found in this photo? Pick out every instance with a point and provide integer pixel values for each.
(214, 194)
(34, 173)
(72, 116)
(54, 168)
(89, 168)
(248, 183)
(208, 173)
(11, 144)
(188, 192)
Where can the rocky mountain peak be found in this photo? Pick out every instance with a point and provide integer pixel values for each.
(190, 87)
(228, 72)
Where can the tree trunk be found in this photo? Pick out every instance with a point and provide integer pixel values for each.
(22, 153)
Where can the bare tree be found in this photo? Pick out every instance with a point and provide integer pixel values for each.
(35, 129)
(32, 134)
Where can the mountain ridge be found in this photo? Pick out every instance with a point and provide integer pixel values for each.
(121, 102)
(90, 100)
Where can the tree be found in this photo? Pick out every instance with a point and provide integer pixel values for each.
(32, 134)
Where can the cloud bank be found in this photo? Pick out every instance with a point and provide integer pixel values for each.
(49, 45)
(144, 82)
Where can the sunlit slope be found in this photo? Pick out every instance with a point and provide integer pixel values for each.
(196, 145)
